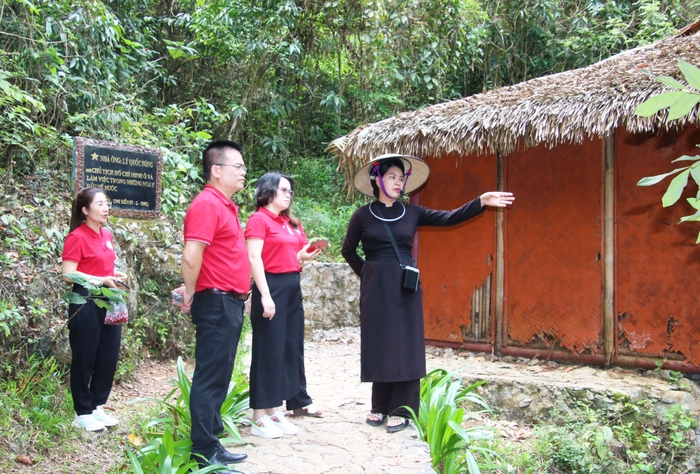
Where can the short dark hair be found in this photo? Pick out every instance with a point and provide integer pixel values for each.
(213, 152)
(83, 199)
(384, 166)
(266, 190)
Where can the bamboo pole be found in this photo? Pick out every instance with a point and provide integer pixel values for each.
(486, 322)
(501, 334)
(609, 250)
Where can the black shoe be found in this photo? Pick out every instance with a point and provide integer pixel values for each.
(215, 459)
(229, 458)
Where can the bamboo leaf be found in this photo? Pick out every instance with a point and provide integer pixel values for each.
(650, 180)
(690, 72)
(694, 217)
(694, 202)
(683, 106)
(695, 174)
(675, 189)
(655, 103)
(671, 82)
(176, 53)
(687, 158)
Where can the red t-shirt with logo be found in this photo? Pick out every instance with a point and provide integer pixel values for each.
(282, 242)
(212, 219)
(93, 251)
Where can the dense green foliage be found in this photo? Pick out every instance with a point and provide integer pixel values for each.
(282, 77)
(680, 101)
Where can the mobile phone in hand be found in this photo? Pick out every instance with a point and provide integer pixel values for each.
(317, 244)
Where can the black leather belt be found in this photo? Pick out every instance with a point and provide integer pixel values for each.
(216, 291)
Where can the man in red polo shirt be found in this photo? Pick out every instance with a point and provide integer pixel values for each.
(216, 273)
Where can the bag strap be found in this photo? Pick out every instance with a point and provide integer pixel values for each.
(391, 237)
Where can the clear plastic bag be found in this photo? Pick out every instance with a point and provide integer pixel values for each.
(118, 314)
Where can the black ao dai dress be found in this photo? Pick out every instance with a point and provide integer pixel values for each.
(391, 318)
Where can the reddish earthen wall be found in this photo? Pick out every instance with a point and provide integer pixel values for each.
(657, 261)
(455, 260)
(553, 247)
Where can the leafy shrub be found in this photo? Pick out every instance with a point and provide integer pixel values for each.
(168, 448)
(324, 220)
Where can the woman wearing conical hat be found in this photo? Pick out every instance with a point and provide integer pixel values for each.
(391, 309)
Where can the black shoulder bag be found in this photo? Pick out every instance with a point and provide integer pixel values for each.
(410, 278)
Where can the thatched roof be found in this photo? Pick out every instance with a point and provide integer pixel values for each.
(562, 108)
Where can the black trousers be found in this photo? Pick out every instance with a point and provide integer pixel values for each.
(389, 398)
(277, 370)
(218, 320)
(95, 351)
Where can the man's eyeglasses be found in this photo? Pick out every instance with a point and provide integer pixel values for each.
(238, 166)
(287, 191)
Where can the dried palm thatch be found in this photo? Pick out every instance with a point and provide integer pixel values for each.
(561, 108)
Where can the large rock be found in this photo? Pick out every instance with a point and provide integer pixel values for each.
(331, 296)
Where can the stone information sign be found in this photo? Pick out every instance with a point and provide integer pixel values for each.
(129, 175)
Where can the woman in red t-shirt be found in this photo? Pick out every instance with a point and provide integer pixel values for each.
(277, 248)
(88, 251)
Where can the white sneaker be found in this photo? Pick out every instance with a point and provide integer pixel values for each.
(88, 422)
(104, 418)
(284, 424)
(265, 428)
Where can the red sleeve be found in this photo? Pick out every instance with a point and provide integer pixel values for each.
(72, 248)
(200, 224)
(256, 228)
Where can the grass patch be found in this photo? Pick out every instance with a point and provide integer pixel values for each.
(36, 412)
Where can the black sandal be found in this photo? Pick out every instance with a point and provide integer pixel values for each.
(395, 428)
(378, 422)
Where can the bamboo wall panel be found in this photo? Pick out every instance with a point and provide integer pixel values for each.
(456, 262)
(658, 262)
(553, 248)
